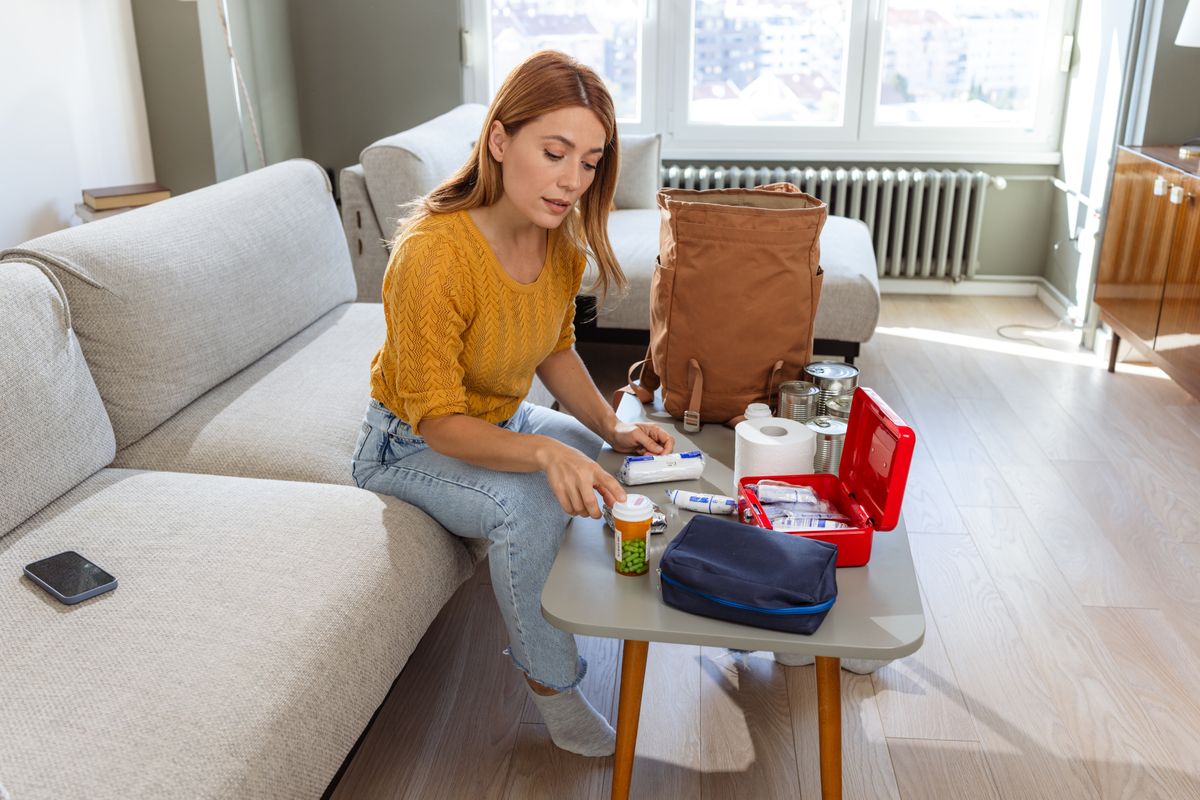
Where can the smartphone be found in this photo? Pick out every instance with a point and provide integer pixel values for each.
(70, 577)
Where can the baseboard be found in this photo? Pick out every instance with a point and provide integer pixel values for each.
(1055, 300)
(984, 285)
(998, 286)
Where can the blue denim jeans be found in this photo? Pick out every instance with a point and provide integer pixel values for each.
(516, 511)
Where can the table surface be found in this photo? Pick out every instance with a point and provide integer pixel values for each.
(877, 615)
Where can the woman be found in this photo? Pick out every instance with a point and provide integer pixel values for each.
(479, 294)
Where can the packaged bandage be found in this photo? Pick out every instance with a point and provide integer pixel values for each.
(797, 508)
(657, 469)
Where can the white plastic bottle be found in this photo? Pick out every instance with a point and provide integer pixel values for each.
(756, 410)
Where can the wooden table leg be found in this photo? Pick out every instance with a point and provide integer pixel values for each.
(629, 711)
(1112, 352)
(829, 722)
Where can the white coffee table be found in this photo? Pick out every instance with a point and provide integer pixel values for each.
(878, 613)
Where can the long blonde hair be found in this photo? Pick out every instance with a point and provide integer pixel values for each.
(544, 82)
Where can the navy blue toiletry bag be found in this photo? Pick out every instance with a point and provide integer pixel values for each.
(723, 569)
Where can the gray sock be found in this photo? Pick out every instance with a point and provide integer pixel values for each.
(574, 725)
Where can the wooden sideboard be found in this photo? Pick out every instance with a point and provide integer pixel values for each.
(1148, 288)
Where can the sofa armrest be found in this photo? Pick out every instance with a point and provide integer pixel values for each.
(368, 251)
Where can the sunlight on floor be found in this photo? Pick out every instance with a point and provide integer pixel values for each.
(1077, 358)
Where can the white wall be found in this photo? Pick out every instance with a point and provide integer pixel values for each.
(74, 115)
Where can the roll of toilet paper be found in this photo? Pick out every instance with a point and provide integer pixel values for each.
(772, 446)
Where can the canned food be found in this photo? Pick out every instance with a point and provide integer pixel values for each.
(839, 406)
(831, 435)
(833, 378)
(798, 400)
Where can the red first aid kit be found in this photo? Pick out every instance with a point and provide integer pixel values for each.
(876, 456)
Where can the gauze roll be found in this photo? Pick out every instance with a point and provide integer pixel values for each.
(655, 469)
(772, 446)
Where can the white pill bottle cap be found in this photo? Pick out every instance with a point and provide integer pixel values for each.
(636, 508)
(755, 410)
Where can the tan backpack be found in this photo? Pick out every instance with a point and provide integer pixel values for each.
(732, 300)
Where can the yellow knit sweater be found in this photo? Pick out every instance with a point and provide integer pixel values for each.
(464, 337)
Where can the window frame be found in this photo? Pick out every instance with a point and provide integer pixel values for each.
(666, 52)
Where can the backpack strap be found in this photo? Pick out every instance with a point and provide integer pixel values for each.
(691, 417)
(643, 388)
(773, 383)
(772, 387)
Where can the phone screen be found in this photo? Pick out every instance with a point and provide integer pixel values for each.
(70, 573)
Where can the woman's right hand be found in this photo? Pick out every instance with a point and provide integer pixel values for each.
(572, 476)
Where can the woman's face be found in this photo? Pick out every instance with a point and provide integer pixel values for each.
(549, 163)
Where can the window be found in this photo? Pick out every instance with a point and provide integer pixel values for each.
(606, 36)
(933, 80)
(770, 63)
(960, 65)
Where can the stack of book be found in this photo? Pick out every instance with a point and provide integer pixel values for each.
(109, 200)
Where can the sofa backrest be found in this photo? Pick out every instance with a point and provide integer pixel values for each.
(409, 164)
(53, 428)
(171, 299)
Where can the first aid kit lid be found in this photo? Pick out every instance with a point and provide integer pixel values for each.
(876, 457)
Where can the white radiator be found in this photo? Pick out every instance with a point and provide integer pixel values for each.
(924, 223)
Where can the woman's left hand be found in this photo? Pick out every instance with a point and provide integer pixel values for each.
(641, 438)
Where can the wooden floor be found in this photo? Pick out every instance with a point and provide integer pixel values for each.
(1054, 512)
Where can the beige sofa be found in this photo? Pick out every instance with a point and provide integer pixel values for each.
(182, 387)
(398, 169)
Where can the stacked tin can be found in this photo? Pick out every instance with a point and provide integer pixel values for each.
(798, 400)
(839, 406)
(831, 435)
(832, 378)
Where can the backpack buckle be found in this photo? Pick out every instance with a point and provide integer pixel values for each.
(691, 421)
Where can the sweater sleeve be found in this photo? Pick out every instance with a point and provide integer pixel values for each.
(566, 336)
(426, 318)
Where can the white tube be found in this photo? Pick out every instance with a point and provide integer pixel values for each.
(706, 503)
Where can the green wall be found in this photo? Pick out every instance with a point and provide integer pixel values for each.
(367, 69)
(172, 67)
(1172, 109)
(191, 103)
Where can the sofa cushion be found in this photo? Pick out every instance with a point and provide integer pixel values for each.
(256, 627)
(634, 237)
(849, 308)
(54, 431)
(406, 165)
(171, 299)
(638, 180)
(292, 415)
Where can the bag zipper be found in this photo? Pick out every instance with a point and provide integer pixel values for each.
(813, 609)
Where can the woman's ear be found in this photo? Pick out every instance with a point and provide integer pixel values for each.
(498, 140)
